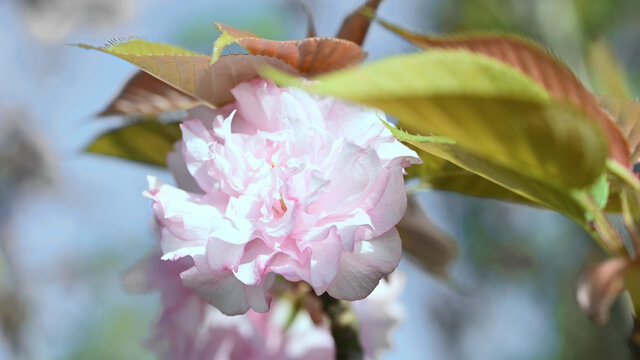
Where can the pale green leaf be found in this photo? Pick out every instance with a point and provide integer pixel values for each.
(437, 173)
(146, 141)
(537, 63)
(489, 109)
(599, 190)
(535, 190)
(139, 47)
(192, 73)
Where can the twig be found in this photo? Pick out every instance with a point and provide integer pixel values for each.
(344, 328)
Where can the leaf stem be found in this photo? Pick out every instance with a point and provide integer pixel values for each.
(623, 174)
(606, 234)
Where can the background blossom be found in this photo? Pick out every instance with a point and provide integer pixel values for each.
(189, 328)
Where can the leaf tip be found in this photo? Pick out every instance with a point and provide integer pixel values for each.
(368, 12)
(225, 39)
(82, 46)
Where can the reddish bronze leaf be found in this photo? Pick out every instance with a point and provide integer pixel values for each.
(600, 285)
(146, 95)
(535, 62)
(308, 12)
(355, 26)
(214, 85)
(310, 56)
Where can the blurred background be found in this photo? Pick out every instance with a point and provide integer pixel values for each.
(71, 222)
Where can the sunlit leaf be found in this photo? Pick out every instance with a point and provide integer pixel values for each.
(309, 56)
(139, 47)
(534, 61)
(146, 141)
(535, 190)
(599, 191)
(491, 111)
(584, 206)
(146, 95)
(497, 123)
(356, 25)
(191, 73)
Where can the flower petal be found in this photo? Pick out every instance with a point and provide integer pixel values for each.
(220, 288)
(361, 270)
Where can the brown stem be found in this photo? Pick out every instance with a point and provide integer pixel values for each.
(634, 340)
(344, 328)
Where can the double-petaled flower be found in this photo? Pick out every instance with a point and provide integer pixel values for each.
(285, 183)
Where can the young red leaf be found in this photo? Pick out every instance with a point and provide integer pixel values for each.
(308, 13)
(216, 82)
(309, 56)
(356, 25)
(600, 285)
(146, 95)
(537, 63)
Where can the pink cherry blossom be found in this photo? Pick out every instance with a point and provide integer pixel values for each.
(282, 182)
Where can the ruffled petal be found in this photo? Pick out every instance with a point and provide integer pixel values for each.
(391, 204)
(178, 168)
(325, 259)
(220, 288)
(361, 270)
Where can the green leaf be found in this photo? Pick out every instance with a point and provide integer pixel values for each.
(489, 109)
(138, 47)
(190, 72)
(536, 62)
(584, 206)
(437, 173)
(499, 124)
(147, 141)
(599, 191)
(178, 67)
(534, 190)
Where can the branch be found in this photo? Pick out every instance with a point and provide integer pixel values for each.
(344, 328)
